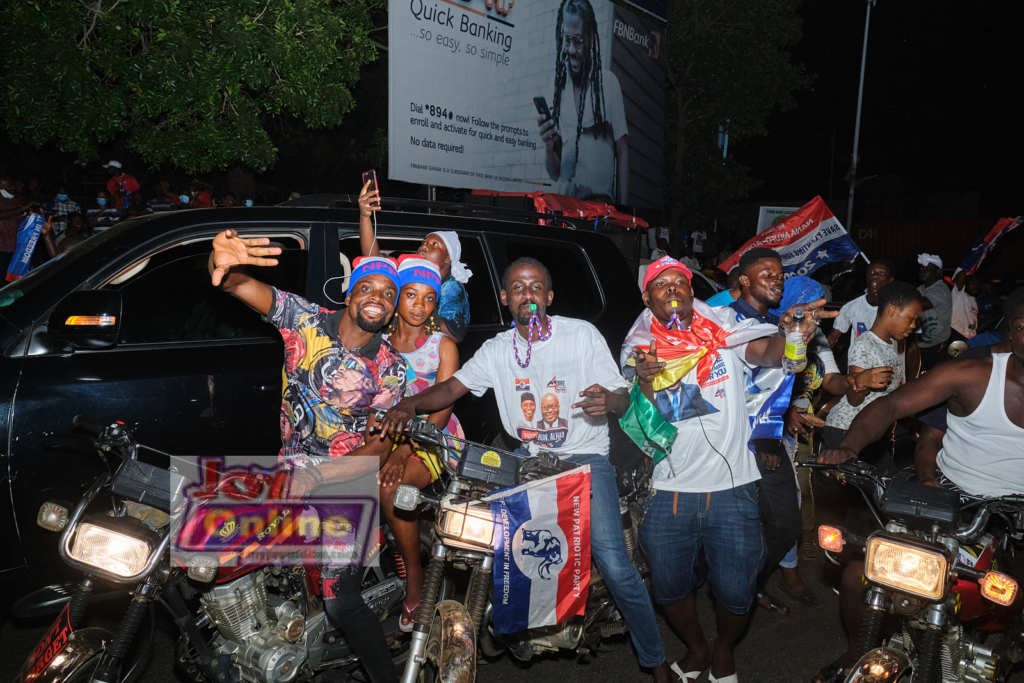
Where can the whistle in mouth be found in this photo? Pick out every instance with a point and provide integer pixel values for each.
(533, 307)
(674, 304)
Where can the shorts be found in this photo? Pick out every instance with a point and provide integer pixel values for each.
(674, 527)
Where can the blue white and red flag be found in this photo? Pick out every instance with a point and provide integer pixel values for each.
(542, 551)
(986, 244)
(808, 239)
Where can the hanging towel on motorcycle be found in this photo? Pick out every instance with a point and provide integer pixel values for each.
(28, 236)
(542, 551)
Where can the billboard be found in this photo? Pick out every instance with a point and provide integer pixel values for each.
(523, 95)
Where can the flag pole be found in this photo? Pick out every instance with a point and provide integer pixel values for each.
(866, 259)
(856, 127)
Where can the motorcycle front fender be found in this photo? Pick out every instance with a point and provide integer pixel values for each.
(457, 660)
(81, 647)
(881, 665)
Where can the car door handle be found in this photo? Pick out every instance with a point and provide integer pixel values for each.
(266, 388)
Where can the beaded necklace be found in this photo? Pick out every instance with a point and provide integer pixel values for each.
(534, 322)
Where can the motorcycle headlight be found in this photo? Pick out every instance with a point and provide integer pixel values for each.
(469, 524)
(906, 567)
(112, 544)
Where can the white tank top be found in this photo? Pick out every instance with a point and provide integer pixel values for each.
(983, 453)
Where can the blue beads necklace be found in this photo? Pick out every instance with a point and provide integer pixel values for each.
(534, 323)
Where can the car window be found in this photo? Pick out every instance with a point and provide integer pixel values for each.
(702, 289)
(171, 299)
(483, 301)
(577, 292)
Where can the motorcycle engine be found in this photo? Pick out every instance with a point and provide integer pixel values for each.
(265, 636)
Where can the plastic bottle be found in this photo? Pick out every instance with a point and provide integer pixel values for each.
(795, 359)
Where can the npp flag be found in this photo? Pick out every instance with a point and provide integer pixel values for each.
(681, 350)
(810, 238)
(986, 244)
(28, 235)
(542, 553)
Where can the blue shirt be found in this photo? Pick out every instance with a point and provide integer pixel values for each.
(453, 308)
(723, 298)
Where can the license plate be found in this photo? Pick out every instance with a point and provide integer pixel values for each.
(48, 648)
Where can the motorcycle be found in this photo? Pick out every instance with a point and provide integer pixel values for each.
(249, 622)
(934, 566)
(446, 632)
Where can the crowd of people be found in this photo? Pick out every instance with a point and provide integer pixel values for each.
(718, 494)
(69, 219)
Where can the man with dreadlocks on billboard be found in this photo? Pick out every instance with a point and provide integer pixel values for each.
(585, 134)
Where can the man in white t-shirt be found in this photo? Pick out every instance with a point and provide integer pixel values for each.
(964, 315)
(585, 137)
(936, 320)
(563, 361)
(857, 316)
(699, 239)
(704, 493)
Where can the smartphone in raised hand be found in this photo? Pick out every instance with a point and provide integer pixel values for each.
(371, 177)
(542, 107)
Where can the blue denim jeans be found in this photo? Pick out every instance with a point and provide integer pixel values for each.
(608, 548)
(726, 524)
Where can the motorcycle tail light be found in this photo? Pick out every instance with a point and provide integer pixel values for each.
(52, 516)
(830, 538)
(905, 567)
(999, 588)
(109, 550)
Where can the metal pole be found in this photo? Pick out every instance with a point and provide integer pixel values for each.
(856, 128)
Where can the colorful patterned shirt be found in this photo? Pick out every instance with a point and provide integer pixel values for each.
(324, 382)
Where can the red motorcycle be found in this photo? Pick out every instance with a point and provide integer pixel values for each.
(935, 564)
(253, 621)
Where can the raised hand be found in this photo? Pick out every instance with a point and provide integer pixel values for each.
(647, 364)
(369, 201)
(230, 250)
(814, 313)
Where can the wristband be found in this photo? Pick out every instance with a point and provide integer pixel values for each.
(317, 475)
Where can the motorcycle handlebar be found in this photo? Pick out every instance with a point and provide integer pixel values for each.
(88, 424)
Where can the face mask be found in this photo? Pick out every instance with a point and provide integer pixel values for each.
(101, 201)
(6, 194)
(184, 198)
(248, 202)
(62, 197)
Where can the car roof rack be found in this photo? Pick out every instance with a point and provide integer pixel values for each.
(332, 201)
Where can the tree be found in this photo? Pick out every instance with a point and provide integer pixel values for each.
(726, 60)
(190, 83)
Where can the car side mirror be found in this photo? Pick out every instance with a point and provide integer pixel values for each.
(87, 319)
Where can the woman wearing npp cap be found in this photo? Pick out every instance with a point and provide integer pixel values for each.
(444, 249)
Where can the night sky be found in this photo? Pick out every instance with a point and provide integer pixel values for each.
(942, 103)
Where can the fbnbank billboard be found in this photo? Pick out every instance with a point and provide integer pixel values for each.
(526, 95)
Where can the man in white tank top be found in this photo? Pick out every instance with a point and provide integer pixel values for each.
(983, 449)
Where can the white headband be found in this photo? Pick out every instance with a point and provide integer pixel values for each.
(459, 270)
(925, 259)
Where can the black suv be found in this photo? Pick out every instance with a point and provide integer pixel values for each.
(192, 370)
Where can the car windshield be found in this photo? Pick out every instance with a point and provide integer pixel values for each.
(22, 286)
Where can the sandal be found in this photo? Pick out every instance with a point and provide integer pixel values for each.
(772, 606)
(685, 676)
(831, 673)
(806, 597)
(408, 612)
(809, 551)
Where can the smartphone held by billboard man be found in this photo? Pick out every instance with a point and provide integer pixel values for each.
(548, 128)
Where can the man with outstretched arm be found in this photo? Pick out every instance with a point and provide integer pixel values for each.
(336, 363)
(552, 356)
(983, 448)
(687, 359)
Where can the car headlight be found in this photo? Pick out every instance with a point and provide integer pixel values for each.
(101, 542)
(468, 524)
(906, 567)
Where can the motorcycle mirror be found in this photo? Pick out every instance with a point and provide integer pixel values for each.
(407, 497)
